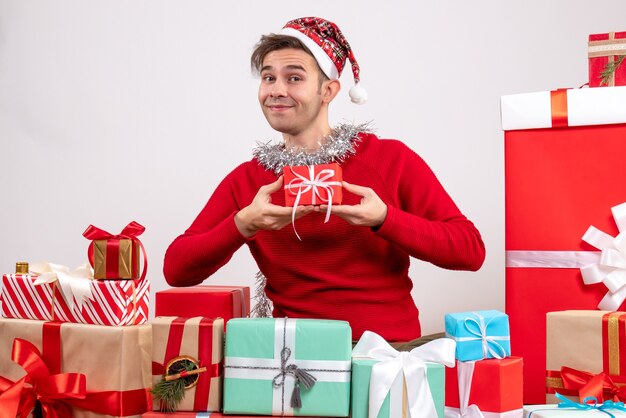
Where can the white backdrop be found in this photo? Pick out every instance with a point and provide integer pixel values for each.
(112, 111)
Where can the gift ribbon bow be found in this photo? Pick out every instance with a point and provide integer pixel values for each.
(465, 372)
(75, 285)
(301, 376)
(58, 392)
(611, 268)
(130, 231)
(592, 385)
(412, 366)
(52, 391)
(316, 183)
(478, 328)
(590, 403)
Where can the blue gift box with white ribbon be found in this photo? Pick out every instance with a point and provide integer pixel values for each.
(479, 335)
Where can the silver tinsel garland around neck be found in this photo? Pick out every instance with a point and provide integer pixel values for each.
(336, 147)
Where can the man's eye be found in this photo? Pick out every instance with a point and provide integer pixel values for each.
(268, 78)
(294, 78)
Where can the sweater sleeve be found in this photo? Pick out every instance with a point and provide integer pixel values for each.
(209, 243)
(425, 222)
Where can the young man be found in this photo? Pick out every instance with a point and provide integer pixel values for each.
(354, 267)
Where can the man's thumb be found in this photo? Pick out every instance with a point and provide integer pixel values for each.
(275, 186)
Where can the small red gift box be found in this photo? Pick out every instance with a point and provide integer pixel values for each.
(495, 386)
(208, 301)
(312, 184)
(116, 256)
(606, 50)
(199, 340)
(557, 184)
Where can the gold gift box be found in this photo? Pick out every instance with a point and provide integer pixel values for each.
(128, 259)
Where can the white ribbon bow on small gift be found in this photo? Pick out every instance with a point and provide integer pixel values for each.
(611, 269)
(411, 364)
(465, 372)
(75, 285)
(315, 183)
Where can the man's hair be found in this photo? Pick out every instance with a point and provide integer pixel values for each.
(274, 42)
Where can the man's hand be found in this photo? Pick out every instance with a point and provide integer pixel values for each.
(261, 214)
(371, 212)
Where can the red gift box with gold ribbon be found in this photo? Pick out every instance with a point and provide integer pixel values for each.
(564, 172)
(198, 340)
(116, 256)
(74, 370)
(607, 50)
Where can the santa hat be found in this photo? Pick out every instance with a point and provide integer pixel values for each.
(330, 49)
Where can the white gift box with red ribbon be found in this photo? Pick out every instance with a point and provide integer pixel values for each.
(565, 107)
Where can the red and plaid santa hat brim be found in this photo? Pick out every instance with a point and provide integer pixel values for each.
(329, 48)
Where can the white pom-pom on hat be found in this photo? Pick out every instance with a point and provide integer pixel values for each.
(358, 94)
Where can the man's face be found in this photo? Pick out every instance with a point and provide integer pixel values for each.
(290, 91)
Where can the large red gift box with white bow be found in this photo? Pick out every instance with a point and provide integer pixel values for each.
(564, 172)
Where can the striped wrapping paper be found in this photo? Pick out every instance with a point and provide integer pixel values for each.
(114, 302)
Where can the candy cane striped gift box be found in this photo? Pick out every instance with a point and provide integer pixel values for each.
(112, 302)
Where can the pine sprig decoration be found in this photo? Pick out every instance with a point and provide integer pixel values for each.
(169, 393)
(609, 70)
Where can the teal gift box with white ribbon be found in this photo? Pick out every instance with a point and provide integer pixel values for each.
(281, 366)
(479, 335)
(387, 383)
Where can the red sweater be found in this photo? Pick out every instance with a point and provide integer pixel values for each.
(338, 271)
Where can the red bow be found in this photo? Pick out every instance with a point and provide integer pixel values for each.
(58, 392)
(130, 231)
(52, 391)
(600, 386)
